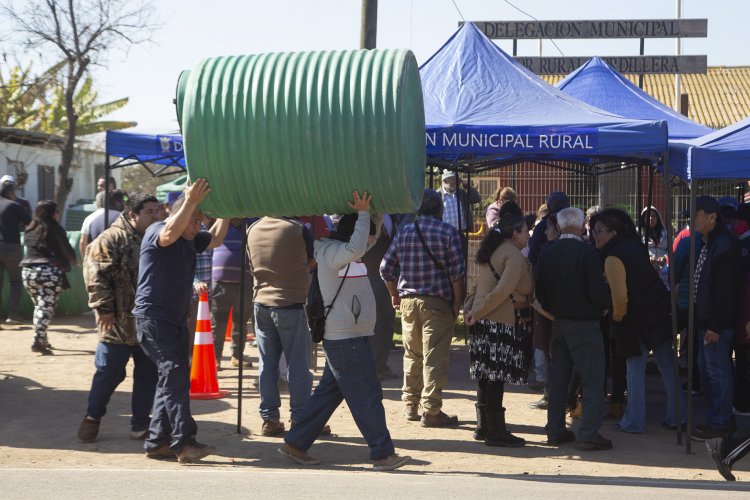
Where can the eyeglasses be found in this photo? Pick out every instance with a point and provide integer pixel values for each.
(600, 230)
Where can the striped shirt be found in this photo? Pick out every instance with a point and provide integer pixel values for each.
(408, 262)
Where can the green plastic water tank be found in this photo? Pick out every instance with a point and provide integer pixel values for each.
(295, 133)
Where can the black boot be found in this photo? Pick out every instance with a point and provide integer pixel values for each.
(497, 434)
(481, 431)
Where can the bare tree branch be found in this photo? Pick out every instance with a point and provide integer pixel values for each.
(84, 32)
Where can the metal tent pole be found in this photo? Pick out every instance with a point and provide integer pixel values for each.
(649, 202)
(638, 196)
(243, 335)
(691, 317)
(672, 297)
(107, 170)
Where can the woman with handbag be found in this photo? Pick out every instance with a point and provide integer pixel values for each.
(496, 346)
(48, 257)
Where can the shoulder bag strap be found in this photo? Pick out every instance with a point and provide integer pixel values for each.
(437, 263)
(512, 299)
(330, 306)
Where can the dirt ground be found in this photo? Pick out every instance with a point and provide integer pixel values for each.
(43, 399)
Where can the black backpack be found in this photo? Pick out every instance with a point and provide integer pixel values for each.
(315, 309)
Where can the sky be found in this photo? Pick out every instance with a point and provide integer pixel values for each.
(191, 30)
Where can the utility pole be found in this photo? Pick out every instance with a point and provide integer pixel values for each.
(369, 31)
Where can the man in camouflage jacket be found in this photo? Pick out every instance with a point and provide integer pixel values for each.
(111, 275)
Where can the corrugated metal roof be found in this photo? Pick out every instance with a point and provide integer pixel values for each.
(717, 99)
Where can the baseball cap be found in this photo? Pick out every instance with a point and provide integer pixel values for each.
(447, 174)
(729, 201)
(706, 203)
(557, 200)
(7, 178)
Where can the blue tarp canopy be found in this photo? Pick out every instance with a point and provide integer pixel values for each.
(724, 154)
(140, 148)
(479, 102)
(598, 84)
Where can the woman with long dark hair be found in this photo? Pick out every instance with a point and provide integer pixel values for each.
(504, 283)
(656, 238)
(48, 257)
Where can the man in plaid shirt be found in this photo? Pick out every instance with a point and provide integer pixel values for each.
(428, 296)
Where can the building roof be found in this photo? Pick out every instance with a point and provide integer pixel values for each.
(717, 99)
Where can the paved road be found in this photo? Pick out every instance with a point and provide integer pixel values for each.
(204, 482)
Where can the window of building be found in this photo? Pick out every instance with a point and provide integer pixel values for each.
(46, 182)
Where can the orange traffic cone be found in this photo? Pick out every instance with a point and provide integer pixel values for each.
(203, 381)
(228, 334)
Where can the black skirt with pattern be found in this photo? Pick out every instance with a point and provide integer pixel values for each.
(496, 353)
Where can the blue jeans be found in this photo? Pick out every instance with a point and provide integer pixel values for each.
(634, 418)
(166, 344)
(349, 375)
(283, 331)
(579, 344)
(110, 362)
(717, 380)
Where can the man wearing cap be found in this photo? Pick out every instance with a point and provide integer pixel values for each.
(717, 287)
(453, 194)
(13, 217)
(728, 208)
(423, 270)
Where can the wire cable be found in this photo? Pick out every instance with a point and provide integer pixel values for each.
(459, 10)
(535, 19)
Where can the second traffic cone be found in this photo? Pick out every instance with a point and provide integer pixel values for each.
(228, 334)
(203, 381)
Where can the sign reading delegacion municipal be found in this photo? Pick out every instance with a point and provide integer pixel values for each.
(633, 28)
(532, 140)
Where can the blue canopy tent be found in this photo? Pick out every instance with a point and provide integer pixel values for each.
(598, 84)
(163, 150)
(485, 109)
(723, 154)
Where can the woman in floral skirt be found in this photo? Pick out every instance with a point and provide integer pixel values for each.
(495, 311)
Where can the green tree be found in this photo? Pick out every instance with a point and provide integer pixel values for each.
(23, 96)
(82, 33)
(54, 119)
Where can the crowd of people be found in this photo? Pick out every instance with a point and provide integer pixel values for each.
(573, 298)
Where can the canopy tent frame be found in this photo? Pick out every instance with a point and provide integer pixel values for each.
(170, 162)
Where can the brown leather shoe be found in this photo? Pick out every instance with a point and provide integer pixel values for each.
(271, 428)
(163, 451)
(194, 451)
(88, 430)
(411, 412)
(439, 420)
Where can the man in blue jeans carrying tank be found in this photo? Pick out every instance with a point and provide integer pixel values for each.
(165, 286)
(280, 252)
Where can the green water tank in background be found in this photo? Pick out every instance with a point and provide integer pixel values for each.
(294, 133)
